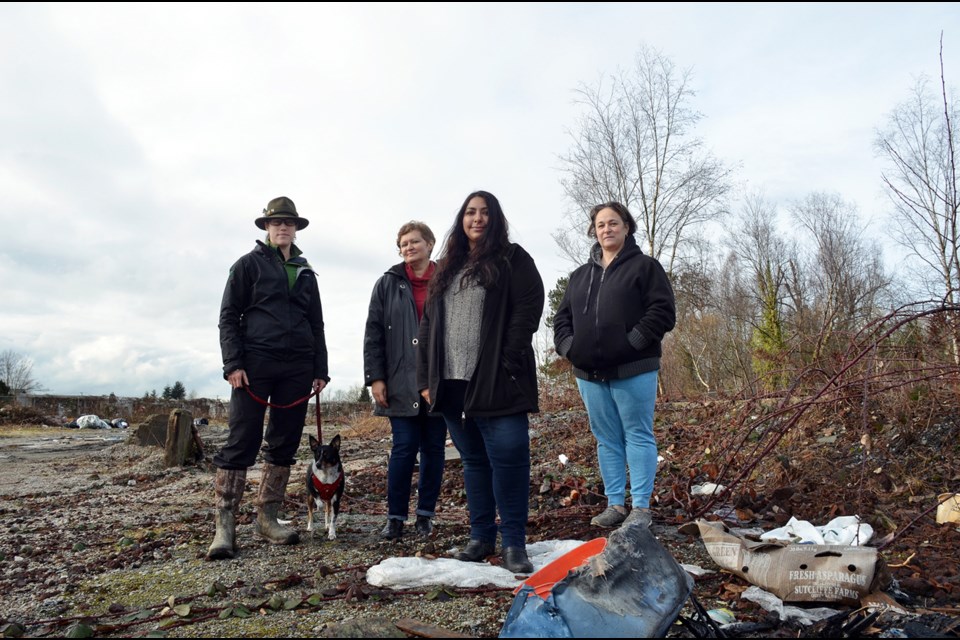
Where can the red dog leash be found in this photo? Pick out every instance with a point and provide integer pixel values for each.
(292, 404)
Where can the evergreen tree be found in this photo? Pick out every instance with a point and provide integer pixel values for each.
(178, 392)
(365, 395)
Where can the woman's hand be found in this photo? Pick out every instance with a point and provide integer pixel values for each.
(238, 379)
(425, 393)
(379, 390)
(319, 384)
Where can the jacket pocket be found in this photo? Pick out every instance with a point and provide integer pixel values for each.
(613, 344)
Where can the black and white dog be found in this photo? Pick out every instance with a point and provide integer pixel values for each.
(325, 480)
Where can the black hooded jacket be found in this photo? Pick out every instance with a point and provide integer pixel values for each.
(390, 342)
(261, 316)
(505, 380)
(611, 321)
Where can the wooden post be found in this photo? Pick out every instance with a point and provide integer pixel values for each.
(179, 438)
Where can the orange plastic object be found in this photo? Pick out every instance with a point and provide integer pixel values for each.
(543, 580)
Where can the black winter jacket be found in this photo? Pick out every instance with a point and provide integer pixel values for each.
(505, 380)
(261, 316)
(611, 321)
(390, 342)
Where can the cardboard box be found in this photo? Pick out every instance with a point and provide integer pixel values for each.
(796, 572)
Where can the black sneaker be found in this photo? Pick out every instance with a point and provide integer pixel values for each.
(424, 526)
(393, 530)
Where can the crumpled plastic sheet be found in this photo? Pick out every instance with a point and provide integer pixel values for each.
(847, 530)
(770, 602)
(410, 573)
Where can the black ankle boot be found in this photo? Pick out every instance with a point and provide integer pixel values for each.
(515, 560)
(424, 526)
(393, 530)
(476, 551)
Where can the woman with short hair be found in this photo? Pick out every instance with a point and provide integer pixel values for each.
(390, 369)
(273, 346)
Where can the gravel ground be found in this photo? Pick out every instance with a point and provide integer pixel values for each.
(99, 537)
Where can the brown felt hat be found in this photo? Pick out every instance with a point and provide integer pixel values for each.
(281, 207)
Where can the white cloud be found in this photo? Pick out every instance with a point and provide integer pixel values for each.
(139, 141)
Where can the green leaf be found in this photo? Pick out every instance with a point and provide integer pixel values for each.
(292, 603)
(79, 630)
(275, 602)
(241, 612)
(13, 630)
(314, 599)
(182, 610)
(226, 613)
(216, 588)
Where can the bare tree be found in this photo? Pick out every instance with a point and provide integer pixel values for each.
(921, 179)
(843, 277)
(765, 255)
(634, 144)
(16, 371)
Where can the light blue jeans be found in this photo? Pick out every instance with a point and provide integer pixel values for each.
(621, 418)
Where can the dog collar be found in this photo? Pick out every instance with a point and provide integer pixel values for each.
(325, 490)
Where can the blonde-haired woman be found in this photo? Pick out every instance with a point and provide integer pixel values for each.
(390, 369)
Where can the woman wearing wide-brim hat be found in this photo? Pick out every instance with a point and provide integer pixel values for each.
(272, 340)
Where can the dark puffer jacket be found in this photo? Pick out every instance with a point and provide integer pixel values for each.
(390, 341)
(505, 380)
(261, 316)
(611, 321)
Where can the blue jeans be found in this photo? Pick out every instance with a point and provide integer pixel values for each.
(496, 472)
(621, 418)
(418, 434)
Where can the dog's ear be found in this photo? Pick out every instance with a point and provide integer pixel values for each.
(314, 443)
(335, 443)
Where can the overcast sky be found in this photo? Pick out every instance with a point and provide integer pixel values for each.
(138, 143)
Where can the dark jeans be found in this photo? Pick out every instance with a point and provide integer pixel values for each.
(280, 383)
(496, 472)
(426, 435)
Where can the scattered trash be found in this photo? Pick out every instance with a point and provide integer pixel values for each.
(796, 572)
(706, 489)
(91, 421)
(696, 571)
(563, 459)
(119, 423)
(634, 588)
(949, 508)
(200, 421)
(412, 572)
(843, 530)
(772, 603)
(722, 616)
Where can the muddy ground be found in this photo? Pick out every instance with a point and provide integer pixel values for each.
(98, 537)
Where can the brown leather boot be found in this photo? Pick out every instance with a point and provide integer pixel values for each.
(273, 489)
(228, 487)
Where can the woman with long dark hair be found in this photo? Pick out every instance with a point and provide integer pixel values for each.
(476, 367)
